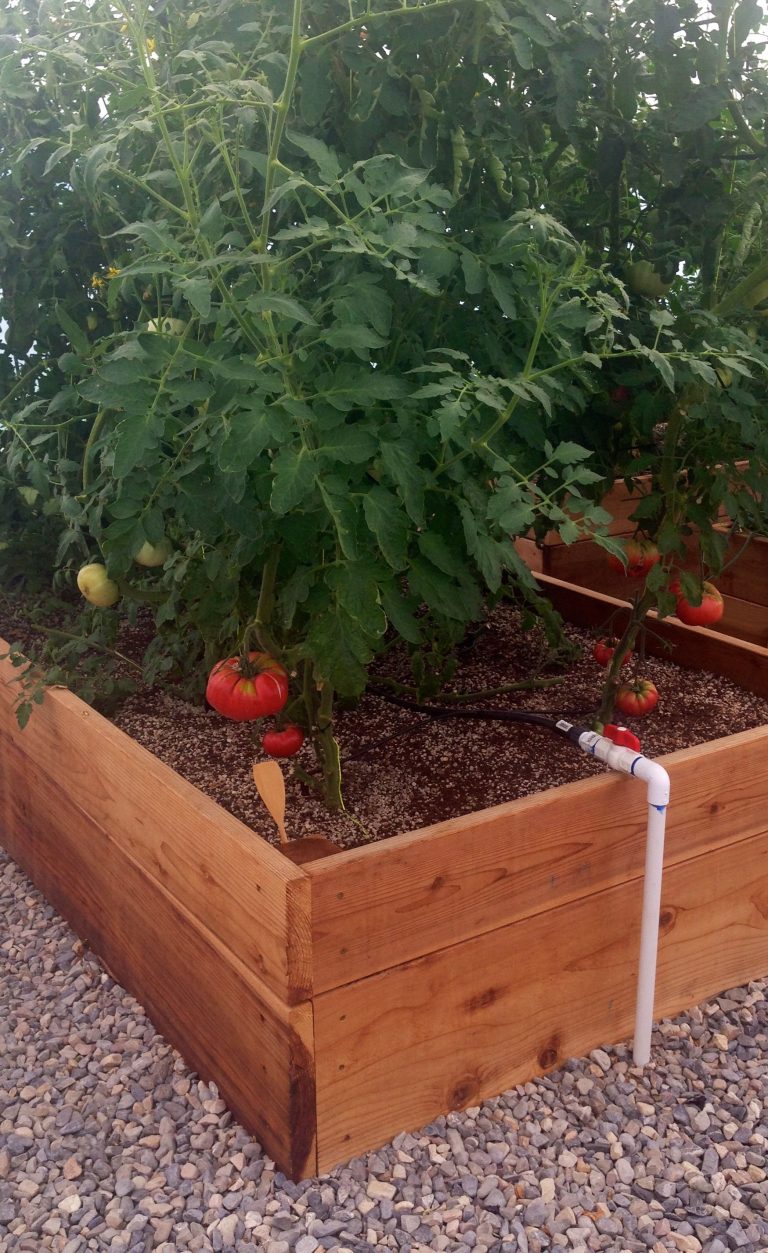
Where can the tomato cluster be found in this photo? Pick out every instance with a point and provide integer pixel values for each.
(245, 689)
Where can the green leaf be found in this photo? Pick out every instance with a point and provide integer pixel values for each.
(340, 651)
(344, 518)
(294, 479)
(135, 436)
(568, 453)
(266, 302)
(359, 338)
(350, 445)
(74, 333)
(385, 518)
(474, 274)
(437, 550)
(400, 611)
(324, 158)
(357, 593)
(248, 434)
(458, 602)
(198, 292)
(663, 366)
(503, 292)
(401, 462)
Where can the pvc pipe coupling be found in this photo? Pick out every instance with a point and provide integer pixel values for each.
(631, 762)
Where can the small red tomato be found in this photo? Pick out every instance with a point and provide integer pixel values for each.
(285, 743)
(604, 650)
(244, 690)
(621, 736)
(641, 556)
(620, 395)
(637, 698)
(709, 610)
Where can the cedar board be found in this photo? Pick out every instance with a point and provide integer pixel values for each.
(491, 946)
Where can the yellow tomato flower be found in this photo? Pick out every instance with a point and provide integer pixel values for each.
(151, 45)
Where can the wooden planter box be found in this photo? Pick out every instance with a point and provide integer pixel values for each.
(744, 583)
(338, 1003)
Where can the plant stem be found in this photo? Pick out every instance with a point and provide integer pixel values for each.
(638, 612)
(56, 632)
(281, 108)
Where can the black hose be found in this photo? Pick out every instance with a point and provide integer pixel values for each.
(529, 716)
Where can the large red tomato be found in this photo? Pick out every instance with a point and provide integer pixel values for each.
(710, 609)
(244, 690)
(638, 697)
(641, 555)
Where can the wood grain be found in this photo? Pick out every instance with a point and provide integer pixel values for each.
(237, 885)
(224, 1020)
(695, 648)
(383, 904)
(458, 1025)
(584, 564)
(748, 576)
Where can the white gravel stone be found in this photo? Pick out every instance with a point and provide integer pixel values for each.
(143, 1155)
(380, 1190)
(548, 1188)
(70, 1204)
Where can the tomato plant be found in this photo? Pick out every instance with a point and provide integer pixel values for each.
(380, 324)
(637, 698)
(246, 688)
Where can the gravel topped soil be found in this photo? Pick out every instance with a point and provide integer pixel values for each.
(108, 1142)
(404, 770)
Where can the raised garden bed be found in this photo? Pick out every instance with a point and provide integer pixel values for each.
(340, 1002)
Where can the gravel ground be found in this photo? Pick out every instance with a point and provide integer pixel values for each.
(108, 1142)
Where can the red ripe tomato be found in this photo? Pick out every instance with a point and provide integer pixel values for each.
(710, 610)
(244, 690)
(621, 736)
(620, 395)
(637, 698)
(604, 650)
(285, 743)
(641, 555)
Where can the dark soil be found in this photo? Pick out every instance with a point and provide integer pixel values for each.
(404, 770)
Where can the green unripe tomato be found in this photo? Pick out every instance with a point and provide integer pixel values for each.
(644, 280)
(166, 326)
(96, 585)
(152, 555)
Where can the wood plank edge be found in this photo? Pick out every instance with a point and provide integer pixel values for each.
(72, 707)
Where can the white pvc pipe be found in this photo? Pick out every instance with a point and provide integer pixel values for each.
(649, 935)
(657, 781)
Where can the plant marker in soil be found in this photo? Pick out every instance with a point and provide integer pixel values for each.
(270, 785)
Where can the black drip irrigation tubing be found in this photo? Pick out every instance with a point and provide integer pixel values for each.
(550, 722)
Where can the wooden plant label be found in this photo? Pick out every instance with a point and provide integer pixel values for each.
(270, 784)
